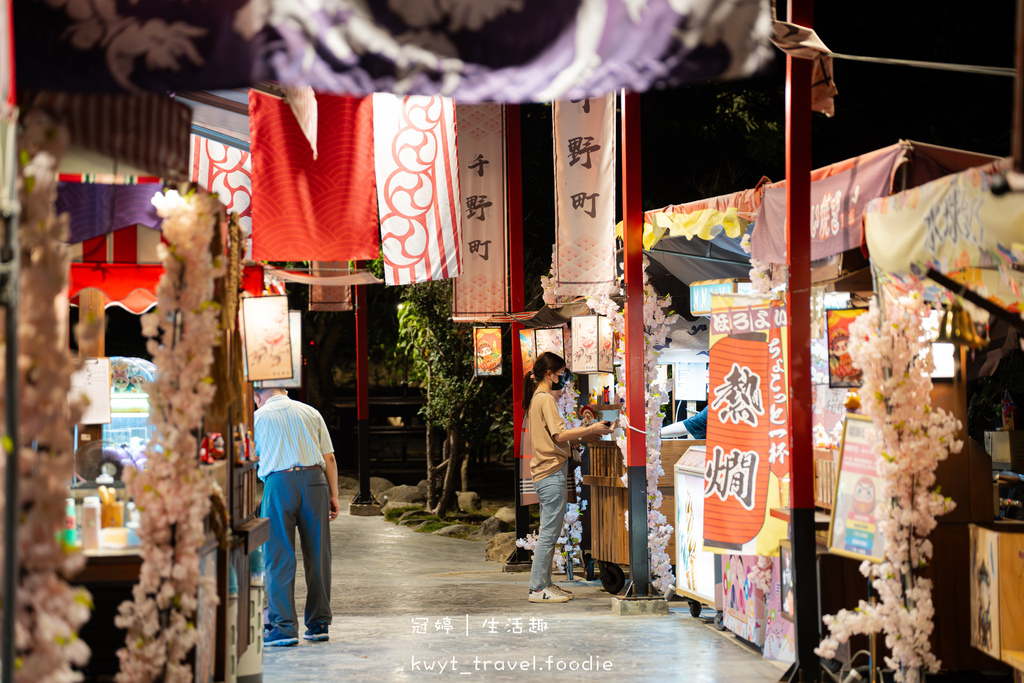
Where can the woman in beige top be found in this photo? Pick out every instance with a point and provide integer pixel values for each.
(551, 446)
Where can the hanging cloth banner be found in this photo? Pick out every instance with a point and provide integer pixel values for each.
(584, 136)
(837, 206)
(482, 289)
(302, 101)
(226, 172)
(417, 188)
(950, 223)
(330, 297)
(305, 209)
(747, 440)
(95, 210)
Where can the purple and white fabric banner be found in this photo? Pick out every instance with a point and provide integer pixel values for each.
(584, 196)
(482, 289)
(470, 50)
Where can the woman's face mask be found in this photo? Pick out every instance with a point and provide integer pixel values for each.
(560, 381)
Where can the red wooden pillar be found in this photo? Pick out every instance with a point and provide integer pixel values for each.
(362, 395)
(517, 301)
(798, 258)
(636, 406)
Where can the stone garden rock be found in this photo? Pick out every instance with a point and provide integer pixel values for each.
(397, 505)
(402, 494)
(453, 530)
(348, 484)
(490, 527)
(500, 547)
(507, 515)
(413, 514)
(469, 501)
(378, 484)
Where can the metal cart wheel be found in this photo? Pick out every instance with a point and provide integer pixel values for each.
(612, 577)
(719, 622)
(695, 608)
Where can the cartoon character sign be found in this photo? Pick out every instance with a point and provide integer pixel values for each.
(864, 496)
(855, 514)
(487, 347)
(841, 370)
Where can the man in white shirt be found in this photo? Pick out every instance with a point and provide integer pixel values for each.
(300, 490)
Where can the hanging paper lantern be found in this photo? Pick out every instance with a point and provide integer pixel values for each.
(534, 342)
(593, 344)
(487, 351)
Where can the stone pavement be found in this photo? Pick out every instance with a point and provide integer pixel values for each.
(389, 579)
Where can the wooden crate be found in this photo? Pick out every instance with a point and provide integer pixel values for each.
(824, 478)
(244, 493)
(609, 500)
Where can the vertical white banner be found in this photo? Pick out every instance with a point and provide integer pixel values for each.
(482, 289)
(584, 135)
(417, 187)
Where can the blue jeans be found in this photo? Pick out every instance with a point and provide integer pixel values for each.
(299, 499)
(553, 497)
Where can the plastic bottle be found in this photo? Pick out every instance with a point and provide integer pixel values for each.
(70, 522)
(91, 523)
(1009, 413)
(132, 537)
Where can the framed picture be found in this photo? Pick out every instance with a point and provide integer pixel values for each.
(527, 349)
(593, 345)
(267, 338)
(786, 580)
(857, 505)
(841, 371)
(487, 351)
(295, 333)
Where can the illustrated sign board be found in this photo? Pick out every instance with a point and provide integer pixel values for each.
(857, 505)
(295, 334)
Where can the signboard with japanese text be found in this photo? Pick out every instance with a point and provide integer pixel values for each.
(842, 373)
(748, 426)
(857, 507)
(584, 138)
(481, 291)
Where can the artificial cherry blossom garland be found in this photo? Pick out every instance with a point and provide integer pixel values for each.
(50, 612)
(914, 438)
(172, 494)
(657, 324)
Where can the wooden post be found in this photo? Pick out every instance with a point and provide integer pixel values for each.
(517, 301)
(91, 307)
(798, 259)
(636, 405)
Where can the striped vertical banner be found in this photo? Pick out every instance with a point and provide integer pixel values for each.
(146, 131)
(740, 485)
(418, 196)
(482, 289)
(584, 138)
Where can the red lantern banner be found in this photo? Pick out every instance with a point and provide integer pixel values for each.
(747, 437)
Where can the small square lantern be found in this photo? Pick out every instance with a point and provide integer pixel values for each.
(533, 342)
(487, 351)
(593, 345)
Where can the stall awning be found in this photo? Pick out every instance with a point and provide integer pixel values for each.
(951, 224)
(128, 285)
(840, 193)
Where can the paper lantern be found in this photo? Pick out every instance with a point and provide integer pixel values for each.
(533, 342)
(593, 345)
(487, 351)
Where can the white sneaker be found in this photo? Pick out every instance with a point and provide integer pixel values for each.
(548, 595)
(561, 591)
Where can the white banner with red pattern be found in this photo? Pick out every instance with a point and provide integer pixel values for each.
(584, 135)
(227, 172)
(417, 188)
(482, 289)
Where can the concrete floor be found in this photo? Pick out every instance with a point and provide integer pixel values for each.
(388, 580)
